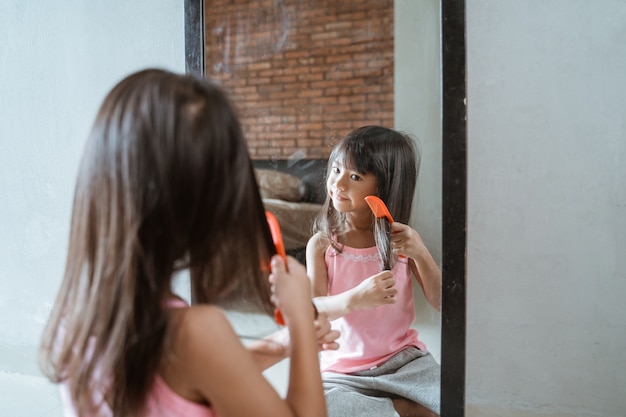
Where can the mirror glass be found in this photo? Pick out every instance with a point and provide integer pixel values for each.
(303, 74)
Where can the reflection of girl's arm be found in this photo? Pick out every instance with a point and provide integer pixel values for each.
(333, 306)
(374, 291)
(431, 285)
(316, 265)
(271, 349)
(407, 241)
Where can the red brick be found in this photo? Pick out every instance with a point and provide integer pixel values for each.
(322, 82)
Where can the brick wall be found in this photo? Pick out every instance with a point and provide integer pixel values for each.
(303, 72)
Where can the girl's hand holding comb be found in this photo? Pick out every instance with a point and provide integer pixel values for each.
(291, 291)
(374, 291)
(406, 241)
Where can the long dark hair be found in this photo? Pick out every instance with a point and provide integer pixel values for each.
(165, 183)
(392, 157)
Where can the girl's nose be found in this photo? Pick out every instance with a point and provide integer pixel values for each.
(340, 183)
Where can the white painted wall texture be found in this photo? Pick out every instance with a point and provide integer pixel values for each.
(57, 61)
(547, 182)
(547, 207)
(417, 108)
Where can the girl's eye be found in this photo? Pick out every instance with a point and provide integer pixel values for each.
(335, 170)
(355, 177)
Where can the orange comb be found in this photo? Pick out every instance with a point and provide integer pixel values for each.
(277, 238)
(379, 208)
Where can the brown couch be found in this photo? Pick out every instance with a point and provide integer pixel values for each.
(294, 191)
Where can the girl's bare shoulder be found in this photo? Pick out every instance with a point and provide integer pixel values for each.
(198, 324)
(318, 243)
(202, 315)
(200, 334)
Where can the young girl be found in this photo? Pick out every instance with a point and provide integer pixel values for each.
(381, 368)
(165, 184)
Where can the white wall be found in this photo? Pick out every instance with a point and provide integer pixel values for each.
(547, 207)
(417, 104)
(547, 181)
(58, 59)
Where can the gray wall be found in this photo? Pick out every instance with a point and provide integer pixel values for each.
(57, 60)
(547, 207)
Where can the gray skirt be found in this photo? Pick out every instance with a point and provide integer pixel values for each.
(412, 374)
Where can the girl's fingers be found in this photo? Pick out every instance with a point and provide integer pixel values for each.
(290, 286)
(330, 346)
(331, 336)
(278, 265)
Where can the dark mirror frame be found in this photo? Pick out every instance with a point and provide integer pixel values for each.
(454, 188)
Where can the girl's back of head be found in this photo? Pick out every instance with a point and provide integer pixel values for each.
(391, 157)
(165, 183)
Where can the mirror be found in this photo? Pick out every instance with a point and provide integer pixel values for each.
(244, 49)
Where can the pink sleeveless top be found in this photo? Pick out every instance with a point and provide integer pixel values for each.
(370, 336)
(161, 401)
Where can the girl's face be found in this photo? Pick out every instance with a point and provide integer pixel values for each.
(348, 188)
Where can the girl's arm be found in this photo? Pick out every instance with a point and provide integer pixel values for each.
(316, 267)
(277, 346)
(376, 290)
(292, 294)
(208, 363)
(271, 349)
(407, 242)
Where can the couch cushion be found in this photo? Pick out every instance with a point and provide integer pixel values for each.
(312, 172)
(280, 185)
(295, 220)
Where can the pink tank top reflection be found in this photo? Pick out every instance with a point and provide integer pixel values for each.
(370, 336)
